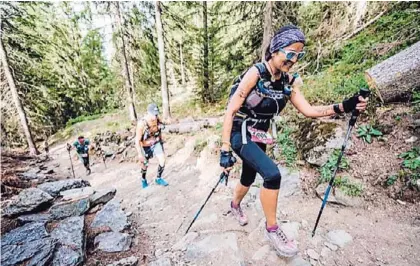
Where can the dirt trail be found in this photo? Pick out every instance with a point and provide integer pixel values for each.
(382, 234)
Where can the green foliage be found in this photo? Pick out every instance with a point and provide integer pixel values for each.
(341, 67)
(366, 132)
(199, 146)
(349, 188)
(327, 169)
(391, 180)
(411, 159)
(286, 143)
(345, 185)
(82, 118)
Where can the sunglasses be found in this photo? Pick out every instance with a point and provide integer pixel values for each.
(290, 54)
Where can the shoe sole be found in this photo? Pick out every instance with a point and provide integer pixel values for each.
(279, 252)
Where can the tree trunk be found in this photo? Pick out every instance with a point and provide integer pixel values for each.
(125, 67)
(396, 77)
(181, 55)
(22, 115)
(268, 29)
(163, 79)
(206, 92)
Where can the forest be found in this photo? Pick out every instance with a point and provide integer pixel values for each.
(73, 61)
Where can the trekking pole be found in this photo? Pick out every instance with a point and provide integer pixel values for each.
(223, 177)
(71, 163)
(364, 93)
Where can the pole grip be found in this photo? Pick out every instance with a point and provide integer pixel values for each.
(364, 92)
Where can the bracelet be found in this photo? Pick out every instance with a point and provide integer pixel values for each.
(226, 142)
(336, 108)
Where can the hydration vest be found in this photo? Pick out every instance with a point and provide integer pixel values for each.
(147, 134)
(266, 100)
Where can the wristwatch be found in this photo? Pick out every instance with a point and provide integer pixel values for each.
(337, 109)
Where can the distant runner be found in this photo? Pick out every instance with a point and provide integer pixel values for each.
(149, 143)
(82, 149)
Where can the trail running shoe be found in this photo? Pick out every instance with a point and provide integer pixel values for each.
(161, 181)
(239, 214)
(144, 183)
(88, 171)
(280, 242)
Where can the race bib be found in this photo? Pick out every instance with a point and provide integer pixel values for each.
(260, 136)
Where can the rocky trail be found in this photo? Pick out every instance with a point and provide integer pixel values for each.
(371, 234)
(147, 226)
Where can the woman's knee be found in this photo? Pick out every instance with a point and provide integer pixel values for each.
(247, 181)
(272, 179)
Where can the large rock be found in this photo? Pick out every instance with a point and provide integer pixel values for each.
(339, 238)
(77, 193)
(71, 208)
(337, 196)
(185, 241)
(112, 216)
(37, 252)
(54, 188)
(290, 182)
(26, 233)
(36, 217)
(219, 249)
(69, 233)
(102, 196)
(317, 140)
(113, 242)
(28, 200)
(66, 256)
(130, 261)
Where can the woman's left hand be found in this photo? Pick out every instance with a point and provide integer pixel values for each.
(361, 106)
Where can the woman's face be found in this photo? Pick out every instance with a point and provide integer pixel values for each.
(280, 61)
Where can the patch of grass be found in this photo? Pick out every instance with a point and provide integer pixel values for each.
(196, 109)
(349, 188)
(327, 169)
(286, 144)
(199, 146)
(82, 118)
(366, 132)
(391, 180)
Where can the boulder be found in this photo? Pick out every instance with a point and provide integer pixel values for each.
(34, 253)
(112, 216)
(66, 256)
(317, 140)
(72, 208)
(102, 196)
(69, 233)
(113, 242)
(54, 188)
(77, 193)
(36, 217)
(26, 233)
(28, 200)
